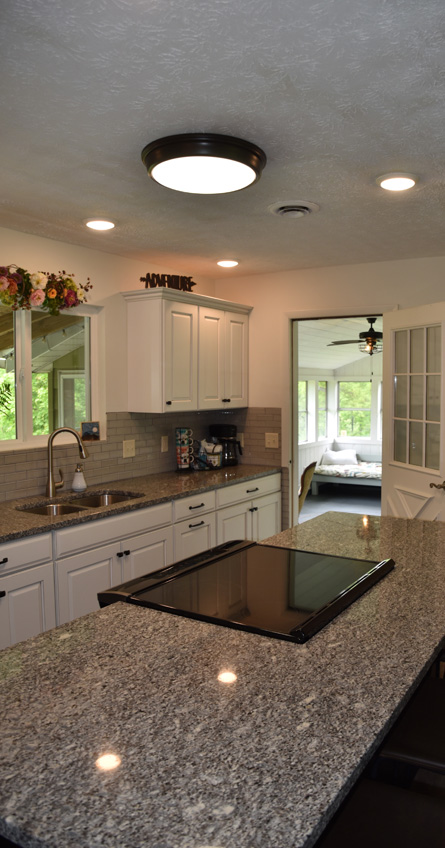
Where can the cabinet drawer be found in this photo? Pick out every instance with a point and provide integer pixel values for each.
(24, 552)
(193, 505)
(72, 539)
(193, 536)
(248, 490)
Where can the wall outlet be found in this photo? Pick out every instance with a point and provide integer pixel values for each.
(128, 448)
(241, 439)
(164, 444)
(271, 440)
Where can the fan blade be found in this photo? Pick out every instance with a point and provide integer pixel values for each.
(349, 341)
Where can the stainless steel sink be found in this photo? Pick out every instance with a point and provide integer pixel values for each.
(52, 509)
(106, 498)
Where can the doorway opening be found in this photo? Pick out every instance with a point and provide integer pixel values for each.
(337, 416)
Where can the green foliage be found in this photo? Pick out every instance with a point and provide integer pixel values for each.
(7, 406)
(40, 404)
(354, 401)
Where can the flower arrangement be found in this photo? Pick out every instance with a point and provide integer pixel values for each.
(20, 289)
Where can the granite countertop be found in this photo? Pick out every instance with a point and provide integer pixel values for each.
(259, 763)
(150, 490)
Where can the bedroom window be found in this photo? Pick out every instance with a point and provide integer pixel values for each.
(354, 409)
(322, 409)
(302, 411)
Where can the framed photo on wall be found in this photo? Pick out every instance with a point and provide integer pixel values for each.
(90, 431)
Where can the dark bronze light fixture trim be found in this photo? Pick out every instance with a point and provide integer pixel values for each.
(222, 149)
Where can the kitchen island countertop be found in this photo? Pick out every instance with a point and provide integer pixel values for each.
(260, 763)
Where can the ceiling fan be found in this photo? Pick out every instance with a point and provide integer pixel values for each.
(370, 341)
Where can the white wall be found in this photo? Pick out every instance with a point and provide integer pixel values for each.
(318, 292)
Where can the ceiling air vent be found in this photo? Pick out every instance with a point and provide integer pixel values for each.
(293, 210)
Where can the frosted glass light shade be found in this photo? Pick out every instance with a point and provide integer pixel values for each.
(203, 163)
(396, 182)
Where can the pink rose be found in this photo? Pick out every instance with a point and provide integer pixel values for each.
(37, 297)
(4, 283)
(70, 298)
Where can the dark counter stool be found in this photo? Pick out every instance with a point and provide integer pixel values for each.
(418, 737)
(376, 815)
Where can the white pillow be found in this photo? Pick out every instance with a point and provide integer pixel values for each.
(342, 457)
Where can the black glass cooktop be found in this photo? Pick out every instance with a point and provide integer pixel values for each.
(283, 593)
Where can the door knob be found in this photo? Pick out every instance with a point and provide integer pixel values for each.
(437, 485)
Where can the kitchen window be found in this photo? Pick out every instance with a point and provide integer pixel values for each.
(45, 373)
(322, 409)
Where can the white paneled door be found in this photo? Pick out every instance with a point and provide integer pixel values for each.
(413, 482)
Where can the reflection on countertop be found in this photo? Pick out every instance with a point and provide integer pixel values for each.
(263, 761)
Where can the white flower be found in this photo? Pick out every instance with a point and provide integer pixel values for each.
(80, 294)
(39, 280)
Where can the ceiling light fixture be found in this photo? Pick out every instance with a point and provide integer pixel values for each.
(203, 163)
(100, 225)
(396, 182)
(227, 263)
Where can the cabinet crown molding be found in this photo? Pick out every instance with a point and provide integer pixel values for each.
(185, 297)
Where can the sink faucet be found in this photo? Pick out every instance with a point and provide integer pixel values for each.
(51, 485)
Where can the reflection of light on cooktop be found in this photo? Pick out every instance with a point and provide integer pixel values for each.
(107, 762)
(227, 677)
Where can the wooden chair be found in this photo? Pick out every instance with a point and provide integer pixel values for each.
(305, 482)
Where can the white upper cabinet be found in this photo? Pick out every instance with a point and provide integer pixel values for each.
(222, 359)
(185, 351)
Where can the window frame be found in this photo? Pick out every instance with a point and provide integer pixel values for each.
(25, 439)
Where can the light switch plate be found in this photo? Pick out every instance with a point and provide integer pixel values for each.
(128, 448)
(164, 444)
(271, 440)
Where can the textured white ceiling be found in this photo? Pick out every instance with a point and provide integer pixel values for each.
(336, 92)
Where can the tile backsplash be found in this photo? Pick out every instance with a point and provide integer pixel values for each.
(23, 473)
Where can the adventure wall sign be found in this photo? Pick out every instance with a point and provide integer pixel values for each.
(168, 281)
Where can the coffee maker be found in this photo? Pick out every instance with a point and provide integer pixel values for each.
(225, 435)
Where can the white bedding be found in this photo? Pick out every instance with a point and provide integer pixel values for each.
(365, 470)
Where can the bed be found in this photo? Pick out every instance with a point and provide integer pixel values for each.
(346, 467)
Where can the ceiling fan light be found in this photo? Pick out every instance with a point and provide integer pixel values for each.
(227, 263)
(203, 163)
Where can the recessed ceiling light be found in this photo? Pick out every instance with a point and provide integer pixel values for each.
(203, 163)
(100, 225)
(396, 182)
(227, 263)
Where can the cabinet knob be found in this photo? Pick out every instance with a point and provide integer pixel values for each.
(198, 524)
(127, 553)
(5, 559)
(168, 403)
(226, 400)
(253, 509)
(119, 554)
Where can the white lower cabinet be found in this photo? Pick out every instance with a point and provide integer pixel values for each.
(54, 578)
(255, 520)
(27, 605)
(194, 536)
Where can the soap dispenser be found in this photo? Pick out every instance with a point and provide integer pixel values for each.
(79, 484)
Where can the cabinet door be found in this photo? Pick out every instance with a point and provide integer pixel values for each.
(147, 552)
(27, 608)
(266, 517)
(234, 523)
(236, 360)
(211, 358)
(194, 536)
(180, 356)
(79, 579)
